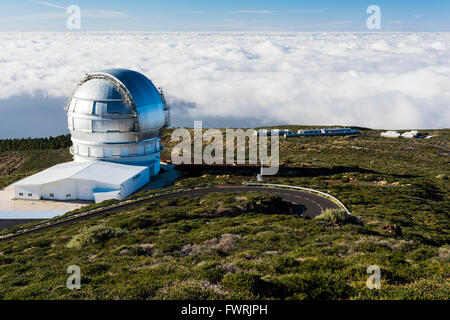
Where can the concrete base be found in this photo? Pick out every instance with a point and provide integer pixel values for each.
(8, 203)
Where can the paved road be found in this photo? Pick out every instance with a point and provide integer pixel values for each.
(312, 204)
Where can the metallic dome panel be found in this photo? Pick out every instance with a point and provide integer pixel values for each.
(139, 86)
(98, 89)
(147, 101)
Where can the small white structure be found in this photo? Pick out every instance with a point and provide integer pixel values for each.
(395, 134)
(390, 134)
(96, 180)
(410, 134)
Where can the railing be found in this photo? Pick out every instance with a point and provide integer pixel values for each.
(299, 188)
(119, 156)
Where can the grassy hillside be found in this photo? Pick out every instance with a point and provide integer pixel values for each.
(193, 248)
(16, 165)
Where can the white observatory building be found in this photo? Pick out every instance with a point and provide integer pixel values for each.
(115, 118)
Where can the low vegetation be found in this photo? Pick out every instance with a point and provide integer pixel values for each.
(338, 217)
(16, 165)
(50, 143)
(96, 234)
(250, 246)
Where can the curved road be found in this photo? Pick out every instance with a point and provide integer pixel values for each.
(312, 204)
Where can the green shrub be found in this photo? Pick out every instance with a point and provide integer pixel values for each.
(282, 263)
(4, 260)
(244, 283)
(313, 286)
(338, 217)
(96, 268)
(211, 271)
(140, 222)
(190, 290)
(423, 253)
(95, 234)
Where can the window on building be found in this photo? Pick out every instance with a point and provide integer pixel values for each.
(68, 195)
(20, 193)
(30, 194)
(52, 195)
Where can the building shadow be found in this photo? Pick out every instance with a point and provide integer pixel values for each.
(193, 170)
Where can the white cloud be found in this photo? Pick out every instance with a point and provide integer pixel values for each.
(383, 80)
(255, 11)
(48, 4)
(104, 14)
(36, 16)
(283, 11)
(85, 13)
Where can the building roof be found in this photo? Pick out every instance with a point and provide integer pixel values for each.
(100, 171)
(109, 172)
(55, 173)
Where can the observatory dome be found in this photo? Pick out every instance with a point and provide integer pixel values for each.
(116, 115)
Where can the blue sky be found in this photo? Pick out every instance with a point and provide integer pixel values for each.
(200, 15)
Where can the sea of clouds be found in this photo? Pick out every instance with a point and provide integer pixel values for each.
(379, 80)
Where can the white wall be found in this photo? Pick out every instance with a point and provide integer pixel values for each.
(133, 184)
(35, 192)
(62, 190)
(78, 189)
(102, 196)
